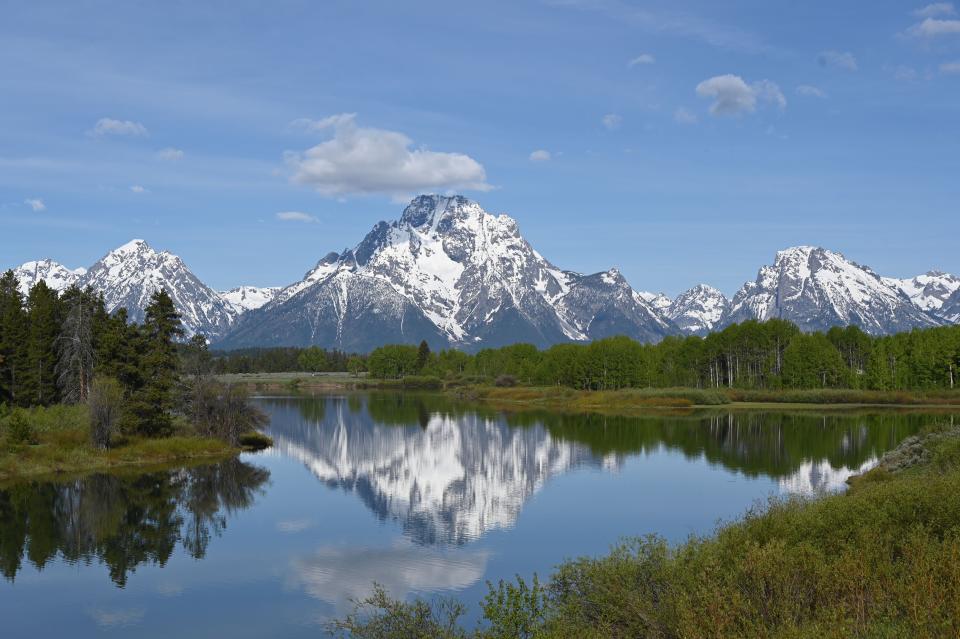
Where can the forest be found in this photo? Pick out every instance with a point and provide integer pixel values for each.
(752, 355)
(124, 378)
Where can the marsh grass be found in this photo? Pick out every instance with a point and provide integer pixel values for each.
(62, 445)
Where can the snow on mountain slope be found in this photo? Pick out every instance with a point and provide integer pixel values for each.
(451, 273)
(659, 301)
(247, 298)
(699, 309)
(928, 291)
(127, 276)
(950, 311)
(816, 288)
(55, 275)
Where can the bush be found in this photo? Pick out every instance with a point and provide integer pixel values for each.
(19, 428)
(422, 382)
(255, 440)
(105, 404)
(505, 381)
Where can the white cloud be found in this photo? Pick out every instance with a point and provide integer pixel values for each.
(611, 121)
(733, 96)
(36, 204)
(839, 59)
(540, 155)
(117, 617)
(170, 154)
(932, 28)
(296, 216)
(643, 58)
(684, 116)
(903, 73)
(935, 9)
(109, 126)
(358, 160)
(810, 91)
(294, 525)
(950, 67)
(136, 188)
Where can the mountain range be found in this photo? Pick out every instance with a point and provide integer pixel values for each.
(455, 275)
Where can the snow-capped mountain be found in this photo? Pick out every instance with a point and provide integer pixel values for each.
(699, 309)
(453, 274)
(816, 288)
(247, 298)
(950, 311)
(928, 291)
(658, 301)
(127, 276)
(55, 275)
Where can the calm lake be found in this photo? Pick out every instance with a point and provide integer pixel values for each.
(419, 494)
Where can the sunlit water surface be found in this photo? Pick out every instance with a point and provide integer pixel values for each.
(420, 495)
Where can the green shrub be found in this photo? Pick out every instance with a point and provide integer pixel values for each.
(422, 382)
(255, 440)
(19, 427)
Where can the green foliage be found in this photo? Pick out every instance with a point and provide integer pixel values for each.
(19, 428)
(255, 440)
(514, 610)
(313, 359)
(380, 616)
(393, 361)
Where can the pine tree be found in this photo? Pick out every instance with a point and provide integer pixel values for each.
(153, 403)
(13, 332)
(423, 355)
(43, 316)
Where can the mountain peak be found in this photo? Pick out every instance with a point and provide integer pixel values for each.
(427, 210)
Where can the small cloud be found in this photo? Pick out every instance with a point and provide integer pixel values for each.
(36, 204)
(296, 216)
(540, 155)
(950, 67)
(294, 525)
(643, 58)
(611, 121)
(903, 73)
(935, 9)
(109, 126)
(733, 96)
(170, 154)
(932, 28)
(810, 91)
(684, 116)
(838, 59)
(363, 161)
(136, 188)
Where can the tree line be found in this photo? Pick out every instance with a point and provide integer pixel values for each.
(773, 354)
(136, 378)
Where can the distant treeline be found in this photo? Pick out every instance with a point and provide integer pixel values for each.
(285, 359)
(753, 355)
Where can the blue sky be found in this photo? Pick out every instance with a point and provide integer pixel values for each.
(681, 142)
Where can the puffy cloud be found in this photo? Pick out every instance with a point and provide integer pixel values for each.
(36, 204)
(540, 155)
(838, 59)
(359, 160)
(950, 67)
(136, 188)
(643, 58)
(733, 96)
(109, 126)
(296, 216)
(935, 9)
(932, 28)
(611, 121)
(684, 116)
(810, 91)
(170, 154)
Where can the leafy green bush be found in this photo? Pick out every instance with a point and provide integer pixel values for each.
(19, 427)
(422, 382)
(255, 440)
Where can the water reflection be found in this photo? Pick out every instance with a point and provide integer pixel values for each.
(122, 521)
(448, 474)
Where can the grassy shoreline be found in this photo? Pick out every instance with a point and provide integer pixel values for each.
(627, 400)
(61, 446)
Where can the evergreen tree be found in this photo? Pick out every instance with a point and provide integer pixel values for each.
(423, 355)
(43, 316)
(152, 404)
(13, 332)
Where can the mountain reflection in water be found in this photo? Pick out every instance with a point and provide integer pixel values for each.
(123, 521)
(448, 474)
